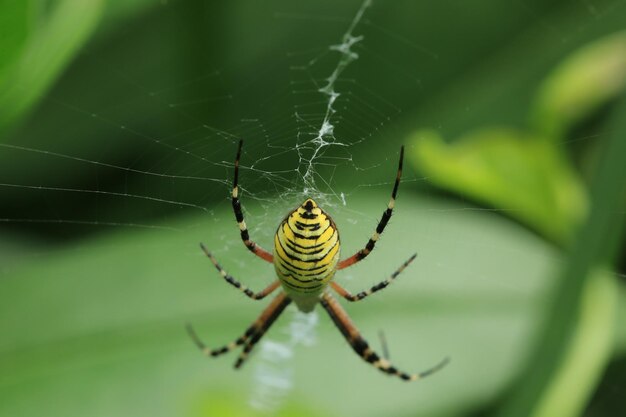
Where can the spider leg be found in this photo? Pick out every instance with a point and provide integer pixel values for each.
(232, 281)
(260, 325)
(383, 344)
(224, 349)
(360, 346)
(361, 254)
(383, 284)
(245, 236)
(265, 321)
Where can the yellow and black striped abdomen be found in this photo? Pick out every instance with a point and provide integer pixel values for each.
(306, 250)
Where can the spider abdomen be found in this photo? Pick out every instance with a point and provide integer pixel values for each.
(306, 251)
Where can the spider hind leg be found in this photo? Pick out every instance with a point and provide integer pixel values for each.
(360, 345)
(251, 336)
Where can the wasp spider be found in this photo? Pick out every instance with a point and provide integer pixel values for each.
(306, 257)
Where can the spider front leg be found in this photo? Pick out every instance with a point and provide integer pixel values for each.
(245, 236)
(360, 346)
(232, 281)
(251, 336)
(383, 284)
(369, 247)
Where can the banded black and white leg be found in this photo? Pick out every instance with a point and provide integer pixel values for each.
(252, 334)
(361, 347)
(369, 247)
(224, 349)
(232, 281)
(268, 317)
(383, 284)
(243, 229)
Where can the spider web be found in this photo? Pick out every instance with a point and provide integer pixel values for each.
(319, 109)
(303, 114)
(326, 107)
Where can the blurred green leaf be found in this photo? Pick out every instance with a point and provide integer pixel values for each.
(588, 353)
(568, 316)
(620, 339)
(15, 23)
(97, 328)
(525, 177)
(118, 11)
(231, 404)
(587, 80)
(39, 57)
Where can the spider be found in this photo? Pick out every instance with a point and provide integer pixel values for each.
(306, 257)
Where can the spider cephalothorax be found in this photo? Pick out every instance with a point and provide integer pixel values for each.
(306, 257)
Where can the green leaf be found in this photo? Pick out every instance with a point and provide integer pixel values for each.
(15, 25)
(590, 350)
(527, 178)
(620, 338)
(98, 328)
(43, 54)
(587, 80)
(564, 335)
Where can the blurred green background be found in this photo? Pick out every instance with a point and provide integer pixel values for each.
(118, 127)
